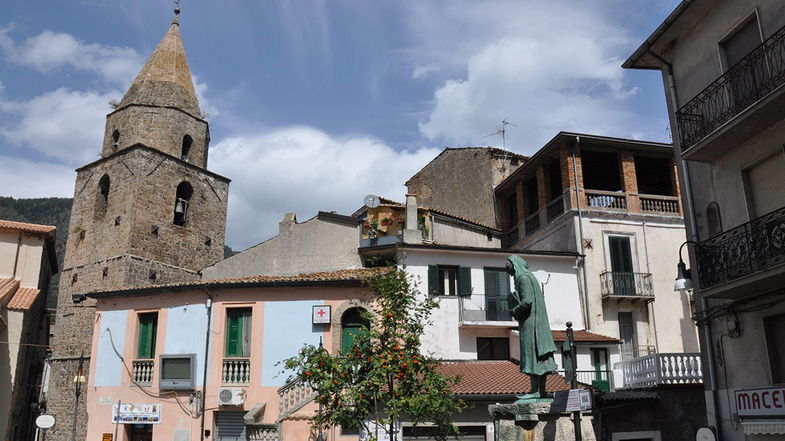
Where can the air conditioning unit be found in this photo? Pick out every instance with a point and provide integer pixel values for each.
(231, 396)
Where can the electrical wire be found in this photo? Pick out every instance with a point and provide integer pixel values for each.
(141, 388)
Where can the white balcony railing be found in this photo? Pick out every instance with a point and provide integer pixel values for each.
(659, 369)
(293, 396)
(236, 371)
(262, 433)
(142, 371)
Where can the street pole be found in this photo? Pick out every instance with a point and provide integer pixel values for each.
(576, 416)
(77, 392)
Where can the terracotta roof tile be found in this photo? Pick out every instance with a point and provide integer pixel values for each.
(8, 287)
(495, 378)
(23, 299)
(583, 336)
(347, 275)
(25, 227)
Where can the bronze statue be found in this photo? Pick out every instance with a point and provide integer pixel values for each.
(528, 308)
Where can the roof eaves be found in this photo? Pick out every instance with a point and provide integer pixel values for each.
(631, 62)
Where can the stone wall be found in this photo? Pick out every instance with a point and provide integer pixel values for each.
(461, 181)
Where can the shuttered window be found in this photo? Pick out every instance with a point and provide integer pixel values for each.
(148, 330)
(238, 332)
(741, 43)
(497, 293)
(764, 185)
(449, 280)
(229, 426)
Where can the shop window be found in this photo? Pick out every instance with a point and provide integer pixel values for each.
(449, 280)
(238, 332)
(148, 332)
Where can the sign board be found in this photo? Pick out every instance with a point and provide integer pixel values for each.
(761, 402)
(572, 400)
(105, 401)
(321, 315)
(45, 421)
(128, 413)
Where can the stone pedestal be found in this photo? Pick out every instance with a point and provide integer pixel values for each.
(536, 421)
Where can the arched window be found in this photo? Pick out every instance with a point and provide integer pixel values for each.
(187, 141)
(714, 219)
(102, 197)
(353, 324)
(182, 203)
(116, 139)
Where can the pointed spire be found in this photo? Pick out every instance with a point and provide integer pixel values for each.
(165, 79)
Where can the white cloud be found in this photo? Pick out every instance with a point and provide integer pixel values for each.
(63, 124)
(546, 66)
(49, 51)
(24, 178)
(304, 170)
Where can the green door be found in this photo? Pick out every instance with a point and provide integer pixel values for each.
(601, 378)
(353, 325)
(621, 266)
(497, 291)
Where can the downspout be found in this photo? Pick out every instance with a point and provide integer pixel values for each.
(16, 259)
(209, 305)
(585, 298)
(709, 346)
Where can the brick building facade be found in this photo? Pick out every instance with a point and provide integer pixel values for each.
(147, 212)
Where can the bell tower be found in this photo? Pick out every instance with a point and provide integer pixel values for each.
(147, 212)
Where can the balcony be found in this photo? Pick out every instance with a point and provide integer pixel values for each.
(664, 205)
(704, 129)
(606, 200)
(142, 371)
(484, 311)
(626, 286)
(754, 251)
(662, 369)
(236, 371)
(600, 380)
(293, 396)
(555, 208)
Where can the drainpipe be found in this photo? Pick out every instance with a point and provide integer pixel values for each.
(16, 259)
(209, 305)
(709, 346)
(585, 298)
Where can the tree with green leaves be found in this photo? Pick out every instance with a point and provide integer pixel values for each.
(382, 376)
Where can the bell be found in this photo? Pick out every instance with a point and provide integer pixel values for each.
(179, 208)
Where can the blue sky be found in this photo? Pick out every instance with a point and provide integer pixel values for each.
(314, 104)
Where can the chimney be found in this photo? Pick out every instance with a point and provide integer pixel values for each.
(285, 225)
(411, 234)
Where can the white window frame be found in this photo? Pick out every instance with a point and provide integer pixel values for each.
(607, 248)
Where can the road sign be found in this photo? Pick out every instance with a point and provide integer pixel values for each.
(45, 421)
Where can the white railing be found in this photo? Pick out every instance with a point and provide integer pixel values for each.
(142, 371)
(606, 200)
(236, 371)
(293, 396)
(262, 433)
(657, 369)
(659, 204)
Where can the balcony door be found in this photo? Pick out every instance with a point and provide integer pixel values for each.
(497, 291)
(748, 76)
(600, 380)
(623, 273)
(627, 335)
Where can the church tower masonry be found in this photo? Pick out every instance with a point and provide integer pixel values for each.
(147, 212)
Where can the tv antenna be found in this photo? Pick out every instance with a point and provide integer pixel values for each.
(503, 132)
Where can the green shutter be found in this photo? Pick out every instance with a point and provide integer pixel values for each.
(621, 255)
(238, 323)
(433, 280)
(148, 330)
(464, 281)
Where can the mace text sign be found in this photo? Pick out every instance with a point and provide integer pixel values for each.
(128, 413)
(761, 402)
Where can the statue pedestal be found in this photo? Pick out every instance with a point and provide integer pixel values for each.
(536, 420)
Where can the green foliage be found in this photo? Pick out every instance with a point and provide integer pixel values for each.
(384, 377)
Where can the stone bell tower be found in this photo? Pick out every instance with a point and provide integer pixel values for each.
(147, 212)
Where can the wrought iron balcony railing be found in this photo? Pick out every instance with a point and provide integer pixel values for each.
(744, 250)
(619, 284)
(755, 76)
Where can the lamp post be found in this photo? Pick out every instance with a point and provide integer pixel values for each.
(683, 274)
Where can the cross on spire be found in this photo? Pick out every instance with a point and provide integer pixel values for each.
(176, 7)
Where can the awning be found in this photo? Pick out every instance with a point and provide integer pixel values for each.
(764, 427)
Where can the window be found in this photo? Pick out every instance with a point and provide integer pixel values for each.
(763, 182)
(774, 328)
(497, 292)
(116, 139)
(444, 280)
(182, 203)
(353, 324)
(102, 198)
(748, 75)
(741, 42)
(238, 332)
(622, 270)
(493, 348)
(148, 331)
(187, 141)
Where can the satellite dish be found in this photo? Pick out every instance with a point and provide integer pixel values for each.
(372, 201)
(705, 434)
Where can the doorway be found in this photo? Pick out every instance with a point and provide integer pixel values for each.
(140, 432)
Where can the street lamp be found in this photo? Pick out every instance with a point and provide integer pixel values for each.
(683, 274)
